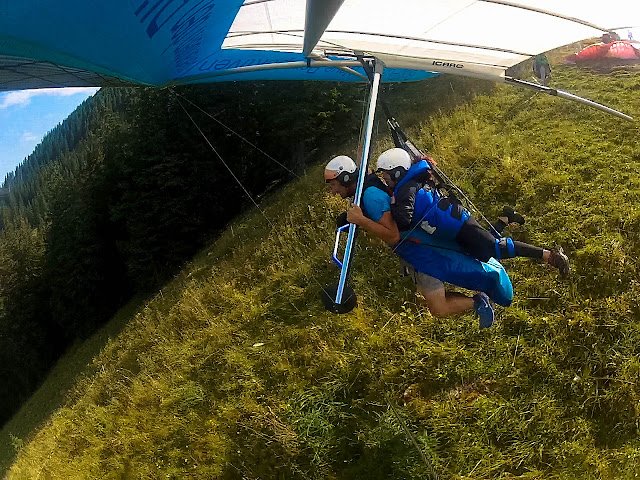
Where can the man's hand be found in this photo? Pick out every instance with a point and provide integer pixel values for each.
(385, 228)
(355, 215)
(430, 160)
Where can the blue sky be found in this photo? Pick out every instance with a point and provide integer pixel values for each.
(27, 115)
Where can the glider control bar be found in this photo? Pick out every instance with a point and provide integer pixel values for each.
(344, 295)
(366, 145)
(566, 96)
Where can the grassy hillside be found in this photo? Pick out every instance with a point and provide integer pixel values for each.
(234, 370)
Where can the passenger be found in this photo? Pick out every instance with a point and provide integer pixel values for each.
(421, 213)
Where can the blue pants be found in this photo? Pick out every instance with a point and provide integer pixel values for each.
(452, 266)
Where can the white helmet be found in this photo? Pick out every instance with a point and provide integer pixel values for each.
(395, 161)
(342, 168)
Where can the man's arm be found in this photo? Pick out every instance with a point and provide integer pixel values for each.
(404, 207)
(385, 228)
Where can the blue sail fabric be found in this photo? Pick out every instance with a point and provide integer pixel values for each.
(169, 42)
(148, 42)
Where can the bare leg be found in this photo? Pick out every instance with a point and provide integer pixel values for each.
(443, 304)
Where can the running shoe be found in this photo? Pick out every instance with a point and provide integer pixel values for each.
(559, 260)
(512, 215)
(483, 308)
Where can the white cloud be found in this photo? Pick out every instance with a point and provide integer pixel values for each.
(23, 97)
(29, 137)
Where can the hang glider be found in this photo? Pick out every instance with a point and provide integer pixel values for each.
(56, 43)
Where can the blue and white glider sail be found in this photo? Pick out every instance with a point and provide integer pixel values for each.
(49, 43)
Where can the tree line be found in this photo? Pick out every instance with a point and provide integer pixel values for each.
(117, 197)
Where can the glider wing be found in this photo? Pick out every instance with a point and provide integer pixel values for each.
(55, 43)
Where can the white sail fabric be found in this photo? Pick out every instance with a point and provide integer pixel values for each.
(468, 37)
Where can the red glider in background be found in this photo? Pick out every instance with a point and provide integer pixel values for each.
(609, 48)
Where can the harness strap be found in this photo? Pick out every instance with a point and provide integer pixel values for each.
(505, 248)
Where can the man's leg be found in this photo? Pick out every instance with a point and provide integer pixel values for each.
(442, 303)
(439, 302)
(478, 242)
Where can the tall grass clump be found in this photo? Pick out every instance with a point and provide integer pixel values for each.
(234, 370)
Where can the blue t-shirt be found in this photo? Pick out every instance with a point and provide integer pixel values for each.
(375, 202)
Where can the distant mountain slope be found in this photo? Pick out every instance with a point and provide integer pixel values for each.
(117, 197)
(234, 370)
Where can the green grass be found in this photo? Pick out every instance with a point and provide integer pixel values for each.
(54, 393)
(234, 370)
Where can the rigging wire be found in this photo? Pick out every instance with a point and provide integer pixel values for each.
(235, 133)
(239, 182)
(362, 121)
(224, 163)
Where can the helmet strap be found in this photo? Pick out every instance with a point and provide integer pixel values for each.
(347, 178)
